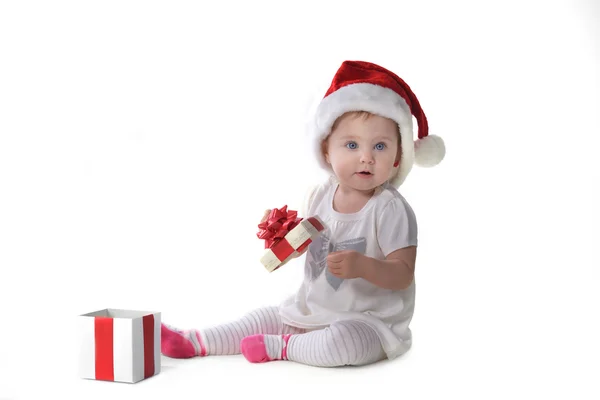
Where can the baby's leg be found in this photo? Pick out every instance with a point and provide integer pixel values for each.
(222, 339)
(342, 343)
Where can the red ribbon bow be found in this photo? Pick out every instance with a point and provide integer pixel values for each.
(277, 225)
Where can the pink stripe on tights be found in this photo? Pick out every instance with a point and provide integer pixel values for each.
(202, 348)
(286, 338)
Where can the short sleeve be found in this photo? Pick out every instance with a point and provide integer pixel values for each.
(314, 193)
(308, 199)
(396, 226)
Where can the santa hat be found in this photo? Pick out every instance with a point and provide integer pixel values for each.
(363, 86)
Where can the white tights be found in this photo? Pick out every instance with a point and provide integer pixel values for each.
(342, 343)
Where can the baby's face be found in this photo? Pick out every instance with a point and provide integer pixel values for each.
(360, 144)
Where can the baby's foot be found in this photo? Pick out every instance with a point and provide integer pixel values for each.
(176, 343)
(263, 348)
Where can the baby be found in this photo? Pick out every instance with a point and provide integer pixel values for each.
(357, 297)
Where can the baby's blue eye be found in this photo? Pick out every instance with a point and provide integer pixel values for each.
(380, 146)
(351, 145)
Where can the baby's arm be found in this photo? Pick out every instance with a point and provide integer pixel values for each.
(397, 237)
(396, 272)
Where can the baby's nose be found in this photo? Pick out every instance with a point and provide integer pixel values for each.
(367, 157)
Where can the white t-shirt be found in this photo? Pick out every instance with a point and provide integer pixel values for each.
(385, 224)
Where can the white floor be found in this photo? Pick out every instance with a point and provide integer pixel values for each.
(485, 363)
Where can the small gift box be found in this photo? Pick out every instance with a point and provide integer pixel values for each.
(286, 236)
(119, 345)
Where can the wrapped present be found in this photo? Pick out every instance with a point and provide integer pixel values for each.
(286, 235)
(119, 345)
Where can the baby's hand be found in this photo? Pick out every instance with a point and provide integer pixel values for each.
(346, 264)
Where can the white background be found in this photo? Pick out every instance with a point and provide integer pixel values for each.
(140, 143)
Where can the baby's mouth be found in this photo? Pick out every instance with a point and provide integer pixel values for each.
(364, 173)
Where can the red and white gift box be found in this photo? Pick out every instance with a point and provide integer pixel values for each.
(286, 235)
(119, 345)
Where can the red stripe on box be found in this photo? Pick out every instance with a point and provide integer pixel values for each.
(103, 334)
(304, 245)
(282, 249)
(315, 222)
(148, 322)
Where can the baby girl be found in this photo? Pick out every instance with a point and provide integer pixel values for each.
(357, 297)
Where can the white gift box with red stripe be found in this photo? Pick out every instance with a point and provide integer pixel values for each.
(119, 345)
(294, 242)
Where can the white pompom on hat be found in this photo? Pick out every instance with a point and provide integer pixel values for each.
(364, 86)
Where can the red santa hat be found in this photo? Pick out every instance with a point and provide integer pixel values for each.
(364, 86)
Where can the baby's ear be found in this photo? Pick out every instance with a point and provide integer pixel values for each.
(324, 151)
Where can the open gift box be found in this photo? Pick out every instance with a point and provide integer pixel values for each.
(119, 345)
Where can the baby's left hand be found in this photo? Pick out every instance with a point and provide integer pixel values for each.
(346, 264)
